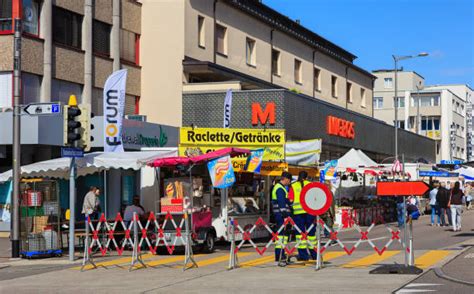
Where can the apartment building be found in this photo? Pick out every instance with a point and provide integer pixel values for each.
(71, 47)
(438, 112)
(203, 43)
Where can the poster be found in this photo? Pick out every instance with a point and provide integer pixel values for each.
(305, 152)
(221, 172)
(254, 161)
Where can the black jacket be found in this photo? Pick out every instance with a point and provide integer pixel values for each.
(442, 198)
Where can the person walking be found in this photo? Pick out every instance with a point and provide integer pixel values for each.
(434, 205)
(442, 199)
(455, 203)
(468, 192)
(303, 220)
(281, 210)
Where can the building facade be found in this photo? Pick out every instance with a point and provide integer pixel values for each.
(197, 42)
(71, 47)
(439, 112)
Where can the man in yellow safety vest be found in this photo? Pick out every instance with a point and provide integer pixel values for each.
(303, 220)
(281, 210)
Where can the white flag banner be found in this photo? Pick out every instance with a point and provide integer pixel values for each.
(227, 108)
(303, 152)
(114, 104)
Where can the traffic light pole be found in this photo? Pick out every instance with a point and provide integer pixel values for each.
(72, 208)
(15, 220)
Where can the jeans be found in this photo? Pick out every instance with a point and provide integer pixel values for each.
(441, 215)
(400, 215)
(448, 214)
(456, 211)
(434, 213)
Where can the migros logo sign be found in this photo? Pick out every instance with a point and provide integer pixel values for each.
(340, 127)
(263, 116)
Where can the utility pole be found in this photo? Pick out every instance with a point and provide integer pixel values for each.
(15, 221)
(395, 101)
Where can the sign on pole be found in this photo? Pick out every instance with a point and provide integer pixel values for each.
(42, 108)
(316, 198)
(72, 152)
(415, 188)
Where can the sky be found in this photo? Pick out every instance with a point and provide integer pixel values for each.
(374, 30)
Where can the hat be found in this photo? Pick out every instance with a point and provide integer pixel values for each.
(286, 175)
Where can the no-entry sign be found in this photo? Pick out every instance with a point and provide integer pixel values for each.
(315, 198)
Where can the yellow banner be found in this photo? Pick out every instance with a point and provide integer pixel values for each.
(434, 134)
(273, 169)
(203, 140)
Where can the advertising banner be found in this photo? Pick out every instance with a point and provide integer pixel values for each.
(268, 168)
(303, 152)
(196, 141)
(222, 172)
(227, 108)
(254, 161)
(114, 103)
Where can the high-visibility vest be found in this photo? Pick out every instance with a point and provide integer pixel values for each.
(296, 186)
(276, 207)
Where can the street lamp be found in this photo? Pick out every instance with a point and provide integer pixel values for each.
(396, 59)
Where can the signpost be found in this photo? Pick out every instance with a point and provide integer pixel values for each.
(42, 109)
(316, 199)
(402, 189)
(72, 152)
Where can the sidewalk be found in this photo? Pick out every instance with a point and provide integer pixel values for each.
(462, 267)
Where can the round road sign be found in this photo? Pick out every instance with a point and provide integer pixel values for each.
(316, 198)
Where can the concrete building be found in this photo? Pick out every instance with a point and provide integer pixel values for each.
(438, 112)
(71, 47)
(197, 42)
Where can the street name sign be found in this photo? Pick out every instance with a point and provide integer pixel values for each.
(42, 108)
(316, 198)
(415, 188)
(71, 152)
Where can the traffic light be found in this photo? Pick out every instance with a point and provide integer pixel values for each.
(72, 132)
(85, 118)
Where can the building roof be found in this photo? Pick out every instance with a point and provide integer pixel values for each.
(376, 71)
(283, 23)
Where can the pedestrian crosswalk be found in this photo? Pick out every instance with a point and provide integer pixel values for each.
(340, 259)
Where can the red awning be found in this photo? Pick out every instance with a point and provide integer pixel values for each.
(200, 159)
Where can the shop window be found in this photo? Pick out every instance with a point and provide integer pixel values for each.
(363, 99)
(275, 62)
(378, 102)
(201, 32)
(67, 27)
(129, 46)
(388, 83)
(250, 52)
(6, 16)
(334, 86)
(317, 79)
(101, 37)
(31, 17)
(30, 88)
(221, 39)
(6, 90)
(349, 92)
(298, 72)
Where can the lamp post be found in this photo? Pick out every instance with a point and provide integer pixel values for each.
(396, 59)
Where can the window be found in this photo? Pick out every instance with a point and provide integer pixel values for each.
(334, 86)
(378, 102)
(201, 32)
(362, 97)
(31, 17)
(388, 83)
(401, 102)
(250, 52)
(349, 92)
(317, 80)
(30, 88)
(61, 90)
(67, 27)
(221, 39)
(5, 15)
(6, 90)
(400, 124)
(275, 62)
(101, 37)
(298, 74)
(436, 101)
(128, 46)
(411, 122)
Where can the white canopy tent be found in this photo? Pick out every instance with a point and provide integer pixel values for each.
(91, 163)
(354, 159)
(467, 172)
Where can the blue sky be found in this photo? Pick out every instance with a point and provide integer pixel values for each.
(374, 30)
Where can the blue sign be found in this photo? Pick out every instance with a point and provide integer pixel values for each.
(55, 108)
(451, 162)
(433, 173)
(72, 152)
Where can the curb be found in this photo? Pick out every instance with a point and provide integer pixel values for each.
(440, 274)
